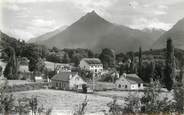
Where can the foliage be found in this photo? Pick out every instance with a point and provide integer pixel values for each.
(1, 69)
(11, 68)
(179, 99)
(23, 106)
(151, 102)
(33, 103)
(107, 57)
(6, 100)
(121, 57)
(48, 111)
(133, 103)
(66, 58)
(54, 57)
(114, 108)
(140, 62)
(36, 65)
(81, 108)
(170, 65)
(85, 74)
(49, 73)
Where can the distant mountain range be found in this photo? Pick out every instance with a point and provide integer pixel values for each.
(176, 33)
(47, 35)
(94, 32)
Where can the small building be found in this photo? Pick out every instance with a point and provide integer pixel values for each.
(129, 82)
(39, 79)
(67, 81)
(59, 67)
(91, 64)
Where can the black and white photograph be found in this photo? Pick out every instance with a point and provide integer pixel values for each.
(91, 57)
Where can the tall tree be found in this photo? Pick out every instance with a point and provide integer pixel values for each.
(140, 62)
(1, 69)
(107, 57)
(11, 68)
(66, 58)
(169, 78)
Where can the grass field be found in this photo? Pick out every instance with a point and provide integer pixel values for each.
(18, 82)
(65, 102)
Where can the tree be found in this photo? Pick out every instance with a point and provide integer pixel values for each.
(132, 64)
(23, 106)
(76, 59)
(1, 69)
(55, 49)
(81, 108)
(11, 68)
(90, 54)
(169, 78)
(114, 108)
(121, 57)
(151, 102)
(36, 65)
(54, 57)
(33, 103)
(6, 100)
(107, 57)
(133, 103)
(179, 99)
(140, 62)
(66, 58)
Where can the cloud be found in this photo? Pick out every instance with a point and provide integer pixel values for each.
(142, 23)
(134, 4)
(18, 33)
(13, 7)
(34, 17)
(43, 23)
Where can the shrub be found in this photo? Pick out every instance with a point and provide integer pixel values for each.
(179, 99)
(81, 107)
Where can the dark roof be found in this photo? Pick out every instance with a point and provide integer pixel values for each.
(133, 78)
(92, 60)
(63, 76)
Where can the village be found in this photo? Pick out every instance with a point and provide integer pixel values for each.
(89, 78)
(91, 57)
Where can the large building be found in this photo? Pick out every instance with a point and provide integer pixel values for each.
(129, 82)
(91, 64)
(67, 81)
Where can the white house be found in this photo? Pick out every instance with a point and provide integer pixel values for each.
(129, 82)
(91, 64)
(67, 81)
(59, 67)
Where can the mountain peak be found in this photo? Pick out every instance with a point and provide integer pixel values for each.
(92, 18)
(93, 12)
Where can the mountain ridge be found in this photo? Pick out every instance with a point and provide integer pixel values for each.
(94, 32)
(176, 33)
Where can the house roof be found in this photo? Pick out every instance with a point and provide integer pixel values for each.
(92, 60)
(63, 76)
(133, 78)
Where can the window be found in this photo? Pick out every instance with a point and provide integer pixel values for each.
(125, 86)
(57, 84)
(95, 70)
(139, 85)
(119, 86)
(77, 78)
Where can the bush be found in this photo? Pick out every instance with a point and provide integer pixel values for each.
(179, 99)
(81, 107)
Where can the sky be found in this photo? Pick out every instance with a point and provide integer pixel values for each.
(25, 19)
